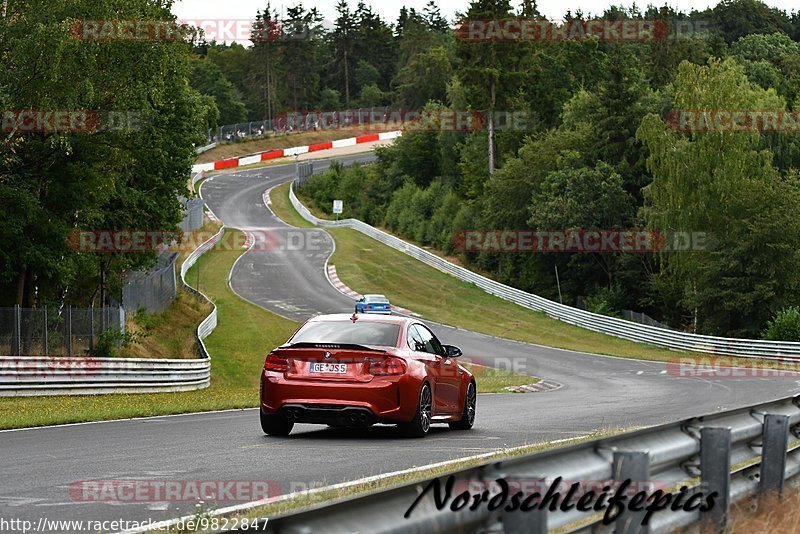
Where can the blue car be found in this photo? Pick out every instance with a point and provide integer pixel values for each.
(374, 304)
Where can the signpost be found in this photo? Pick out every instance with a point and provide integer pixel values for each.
(338, 208)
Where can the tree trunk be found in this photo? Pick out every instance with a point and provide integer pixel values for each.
(21, 286)
(346, 78)
(493, 98)
(30, 288)
(102, 283)
(268, 82)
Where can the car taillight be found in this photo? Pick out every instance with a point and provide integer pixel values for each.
(369, 307)
(276, 364)
(388, 366)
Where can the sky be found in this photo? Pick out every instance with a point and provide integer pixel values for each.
(389, 9)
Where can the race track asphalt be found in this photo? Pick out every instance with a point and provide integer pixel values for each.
(40, 465)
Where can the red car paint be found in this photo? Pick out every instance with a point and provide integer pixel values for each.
(381, 385)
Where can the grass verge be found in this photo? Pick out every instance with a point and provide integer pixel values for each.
(170, 334)
(491, 380)
(771, 513)
(282, 207)
(369, 266)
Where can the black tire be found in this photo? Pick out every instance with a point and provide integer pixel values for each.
(421, 424)
(275, 425)
(468, 416)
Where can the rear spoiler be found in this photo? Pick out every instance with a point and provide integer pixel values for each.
(332, 346)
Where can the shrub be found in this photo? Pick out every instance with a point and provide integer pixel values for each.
(606, 301)
(785, 326)
(109, 342)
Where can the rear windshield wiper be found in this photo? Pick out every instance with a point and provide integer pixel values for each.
(334, 346)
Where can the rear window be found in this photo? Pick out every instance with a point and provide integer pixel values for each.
(377, 300)
(358, 333)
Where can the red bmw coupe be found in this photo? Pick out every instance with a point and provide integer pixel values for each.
(363, 370)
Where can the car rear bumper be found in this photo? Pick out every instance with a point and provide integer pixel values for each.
(329, 415)
(376, 312)
(386, 400)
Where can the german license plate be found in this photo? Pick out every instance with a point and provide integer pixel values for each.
(329, 368)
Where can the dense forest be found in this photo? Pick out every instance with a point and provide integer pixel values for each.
(55, 178)
(602, 153)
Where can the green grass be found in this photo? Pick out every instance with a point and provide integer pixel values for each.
(238, 346)
(167, 335)
(369, 266)
(492, 380)
(282, 206)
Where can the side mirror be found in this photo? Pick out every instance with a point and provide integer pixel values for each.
(453, 352)
(362, 299)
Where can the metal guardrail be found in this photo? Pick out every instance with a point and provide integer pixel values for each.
(204, 149)
(206, 327)
(49, 376)
(196, 178)
(753, 348)
(737, 454)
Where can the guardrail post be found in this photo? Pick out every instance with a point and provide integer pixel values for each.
(91, 330)
(16, 336)
(69, 330)
(773, 453)
(46, 340)
(715, 472)
(529, 522)
(633, 466)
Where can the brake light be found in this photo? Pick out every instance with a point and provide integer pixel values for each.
(369, 307)
(276, 364)
(387, 367)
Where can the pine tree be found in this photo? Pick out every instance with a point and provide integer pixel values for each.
(490, 69)
(342, 37)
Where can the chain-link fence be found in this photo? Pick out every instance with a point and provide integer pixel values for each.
(628, 315)
(296, 122)
(643, 318)
(194, 212)
(305, 171)
(56, 331)
(154, 290)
